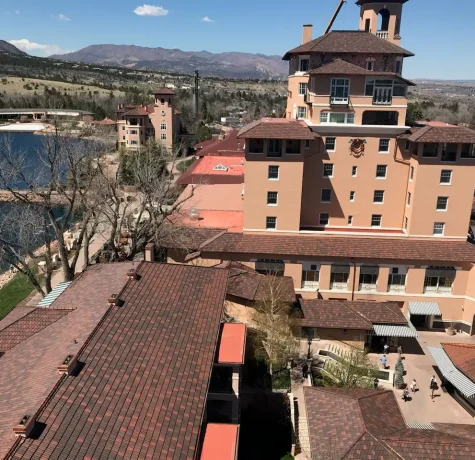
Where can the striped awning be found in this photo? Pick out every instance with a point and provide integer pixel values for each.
(54, 294)
(424, 308)
(458, 379)
(393, 330)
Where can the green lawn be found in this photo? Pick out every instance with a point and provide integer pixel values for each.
(13, 292)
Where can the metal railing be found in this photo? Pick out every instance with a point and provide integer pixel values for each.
(338, 100)
(383, 96)
(437, 290)
(334, 286)
(367, 287)
(396, 288)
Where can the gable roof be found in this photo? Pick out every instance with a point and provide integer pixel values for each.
(348, 42)
(463, 357)
(146, 372)
(446, 134)
(165, 91)
(217, 146)
(342, 67)
(276, 128)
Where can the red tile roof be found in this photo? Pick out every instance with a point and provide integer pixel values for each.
(165, 91)
(361, 424)
(341, 67)
(203, 171)
(221, 441)
(463, 357)
(28, 372)
(349, 42)
(232, 344)
(143, 388)
(276, 128)
(137, 112)
(447, 134)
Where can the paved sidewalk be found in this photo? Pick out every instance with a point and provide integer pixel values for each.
(302, 448)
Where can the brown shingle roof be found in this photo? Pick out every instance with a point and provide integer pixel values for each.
(463, 357)
(360, 424)
(137, 112)
(348, 42)
(142, 390)
(380, 312)
(342, 247)
(446, 134)
(341, 67)
(165, 91)
(276, 128)
(229, 144)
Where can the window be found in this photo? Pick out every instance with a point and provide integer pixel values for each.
(368, 278)
(376, 220)
(270, 267)
(292, 146)
(339, 277)
(383, 145)
(442, 203)
(398, 66)
(449, 152)
(400, 89)
(324, 218)
(220, 167)
(468, 151)
(328, 170)
(271, 223)
(350, 118)
(163, 126)
(330, 144)
(340, 90)
(326, 195)
(446, 176)
(274, 148)
(310, 276)
(430, 150)
(378, 196)
(396, 280)
(301, 112)
(324, 117)
(350, 220)
(411, 174)
(163, 137)
(256, 145)
(352, 196)
(337, 118)
(304, 64)
(381, 171)
(439, 280)
(367, 25)
(302, 89)
(354, 171)
(370, 65)
(408, 201)
(123, 138)
(438, 228)
(273, 173)
(123, 128)
(133, 131)
(134, 142)
(406, 221)
(272, 198)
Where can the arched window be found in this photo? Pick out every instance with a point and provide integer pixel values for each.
(383, 19)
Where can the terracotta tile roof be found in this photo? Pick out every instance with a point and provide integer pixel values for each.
(349, 42)
(341, 67)
(28, 372)
(360, 424)
(344, 247)
(143, 388)
(276, 128)
(446, 134)
(220, 442)
(137, 112)
(203, 171)
(232, 344)
(463, 357)
(165, 91)
(28, 325)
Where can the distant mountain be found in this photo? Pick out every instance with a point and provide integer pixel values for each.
(6, 47)
(228, 65)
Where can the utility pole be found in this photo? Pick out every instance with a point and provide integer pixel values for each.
(196, 95)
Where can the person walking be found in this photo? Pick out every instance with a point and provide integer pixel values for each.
(399, 351)
(384, 361)
(386, 348)
(376, 383)
(413, 386)
(405, 394)
(433, 382)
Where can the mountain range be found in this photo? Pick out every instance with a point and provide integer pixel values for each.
(224, 65)
(6, 47)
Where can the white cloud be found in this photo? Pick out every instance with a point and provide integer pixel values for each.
(150, 10)
(37, 49)
(17, 11)
(207, 19)
(62, 17)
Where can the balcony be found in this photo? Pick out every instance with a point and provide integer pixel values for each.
(367, 287)
(383, 96)
(380, 118)
(383, 34)
(336, 286)
(438, 290)
(337, 100)
(397, 288)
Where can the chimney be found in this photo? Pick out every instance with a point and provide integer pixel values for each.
(149, 252)
(307, 33)
(24, 426)
(132, 274)
(68, 365)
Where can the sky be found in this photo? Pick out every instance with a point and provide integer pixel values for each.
(441, 37)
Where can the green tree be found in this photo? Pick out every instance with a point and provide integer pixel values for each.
(203, 133)
(414, 112)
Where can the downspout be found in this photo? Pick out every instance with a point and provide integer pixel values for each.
(408, 163)
(354, 279)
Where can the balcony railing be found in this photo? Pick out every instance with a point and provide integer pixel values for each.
(382, 34)
(337, 100)
(396, 288)
(334, 286)
(383, 96)
(443, 290)
(310, 285)
(366, 287)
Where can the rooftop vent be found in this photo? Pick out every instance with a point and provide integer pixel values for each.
(25, 425)
(68, 365)
(132, 274)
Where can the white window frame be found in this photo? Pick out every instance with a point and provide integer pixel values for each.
(350, 221)
(301, 59)
(337, 83)
(370, 64)
(440, 226)
(302, 85)
(444, 171)
(163, 126)
(311, 267)
(385, 172)
(334, 144)
(354, 171)
(276, 198)
(268, 172)
(352, 196)
(267, 223)
(400, 272)
(380, 220)
(374, 197)
(408, 199)
(326, 119)
(321, 195)
(332, 173)
(133, 132)
(301, 109)
(163, 137)
(320, 219)
(446, 204)
(384, 152)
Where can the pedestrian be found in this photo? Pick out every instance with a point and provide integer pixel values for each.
(413, 386)
(386, 348)
(376, 383)
(384, 361)
(433, 382)
(305, 371)
(405, 395)
(399, 351)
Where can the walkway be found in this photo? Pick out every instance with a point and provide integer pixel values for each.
(302, 448)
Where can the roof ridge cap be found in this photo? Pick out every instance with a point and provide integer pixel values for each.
(357, 312)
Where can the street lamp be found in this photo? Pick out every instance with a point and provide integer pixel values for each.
(309, 345)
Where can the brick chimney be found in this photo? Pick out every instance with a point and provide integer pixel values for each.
(307, 33)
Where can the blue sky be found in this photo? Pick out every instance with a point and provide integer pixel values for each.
(442, 38)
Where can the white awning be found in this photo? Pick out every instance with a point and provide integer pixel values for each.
(54, 294)
(458, 379)
(393, 330)
(424, 308)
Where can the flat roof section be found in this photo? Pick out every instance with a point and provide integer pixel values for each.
(221, 442)
(233, 344)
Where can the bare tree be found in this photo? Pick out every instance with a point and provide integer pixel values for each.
(48, 194)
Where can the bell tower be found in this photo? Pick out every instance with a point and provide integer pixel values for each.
(382, 18)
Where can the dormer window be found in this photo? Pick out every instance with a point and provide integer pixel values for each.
(370, 64)
(220, 167)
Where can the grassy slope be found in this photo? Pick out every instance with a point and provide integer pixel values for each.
(12, 293)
